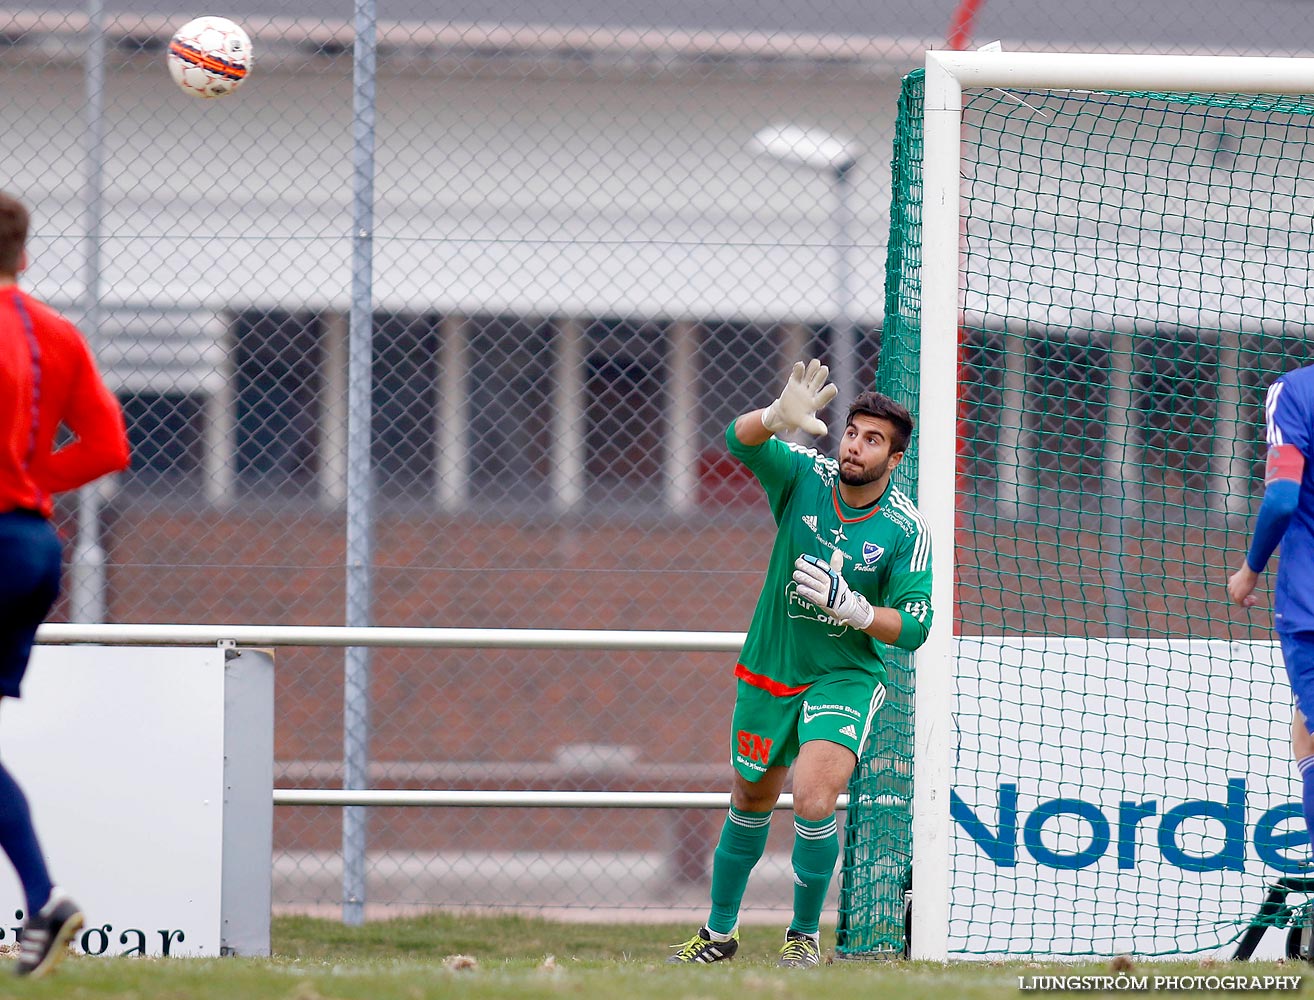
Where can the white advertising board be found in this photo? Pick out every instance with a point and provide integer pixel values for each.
(1119, 796)
(121, 753)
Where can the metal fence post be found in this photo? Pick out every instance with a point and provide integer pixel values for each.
(356, 693)
(87, 572)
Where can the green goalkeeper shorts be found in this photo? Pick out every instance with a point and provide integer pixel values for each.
(767, 729)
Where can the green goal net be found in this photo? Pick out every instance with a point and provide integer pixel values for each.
(1133, 270)
(877, 856)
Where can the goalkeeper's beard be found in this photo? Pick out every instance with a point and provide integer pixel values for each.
(868, 474)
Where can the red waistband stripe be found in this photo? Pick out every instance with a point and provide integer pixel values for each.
(767, 684)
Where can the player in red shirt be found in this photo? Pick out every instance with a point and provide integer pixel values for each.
(48, 380)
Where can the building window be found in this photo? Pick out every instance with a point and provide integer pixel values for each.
(981, 395)
(741, 365)
(625, 411)
(278, 368)
(164, 433)
(1175, 392)
(1067, 394)
(405, 387)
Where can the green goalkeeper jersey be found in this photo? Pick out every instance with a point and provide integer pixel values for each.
(887, 558)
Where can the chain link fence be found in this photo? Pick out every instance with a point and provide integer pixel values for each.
(586, 262)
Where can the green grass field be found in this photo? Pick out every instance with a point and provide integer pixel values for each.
(511, 958)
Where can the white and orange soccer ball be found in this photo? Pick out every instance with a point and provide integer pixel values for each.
(210, 56)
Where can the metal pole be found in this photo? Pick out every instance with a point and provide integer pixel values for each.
(87, 569)
(360, 542)
(393, 637)
(844, 372)
(507, 799)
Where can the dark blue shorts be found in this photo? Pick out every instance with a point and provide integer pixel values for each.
(1298, 655)
(30, 558)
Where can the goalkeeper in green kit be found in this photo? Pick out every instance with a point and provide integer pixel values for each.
(850, 574)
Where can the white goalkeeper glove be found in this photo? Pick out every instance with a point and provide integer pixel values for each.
(825, 587)
(804, 394)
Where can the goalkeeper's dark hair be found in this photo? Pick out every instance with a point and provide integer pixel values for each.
(14, 221)
(881, 406)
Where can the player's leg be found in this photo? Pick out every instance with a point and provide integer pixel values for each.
(762, 744)
(741, 845)
(19, 841)
(834, 722)
(1302, 749)
(821, 774)
(29, 583)
(1298, 656)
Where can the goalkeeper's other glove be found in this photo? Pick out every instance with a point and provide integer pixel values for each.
(804, 394)
(824, 587)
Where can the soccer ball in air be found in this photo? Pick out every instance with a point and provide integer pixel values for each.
(209, 57)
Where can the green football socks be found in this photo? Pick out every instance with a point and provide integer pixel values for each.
(743, 839)
(816, 849)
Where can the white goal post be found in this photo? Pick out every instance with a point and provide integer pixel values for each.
(947, 75)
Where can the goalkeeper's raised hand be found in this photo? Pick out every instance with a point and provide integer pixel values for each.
(825, 587)
(804, 394)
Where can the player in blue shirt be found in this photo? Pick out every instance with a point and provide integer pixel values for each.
(1286, 515)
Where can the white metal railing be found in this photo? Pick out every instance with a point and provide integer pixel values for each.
(436, 638)
(433, 638)
(429, 638)
(377, 635)
(521, 799)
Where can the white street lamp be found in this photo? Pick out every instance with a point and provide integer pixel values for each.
(834, 156)
(806, 147)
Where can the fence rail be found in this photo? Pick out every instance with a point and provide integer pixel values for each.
(683, 856)
(435, 638)
(520, 799)
(393, 637)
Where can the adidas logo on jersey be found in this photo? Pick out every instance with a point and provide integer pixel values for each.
(811, 521)
(849, 731)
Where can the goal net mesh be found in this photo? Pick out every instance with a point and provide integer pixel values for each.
(1133, 271)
